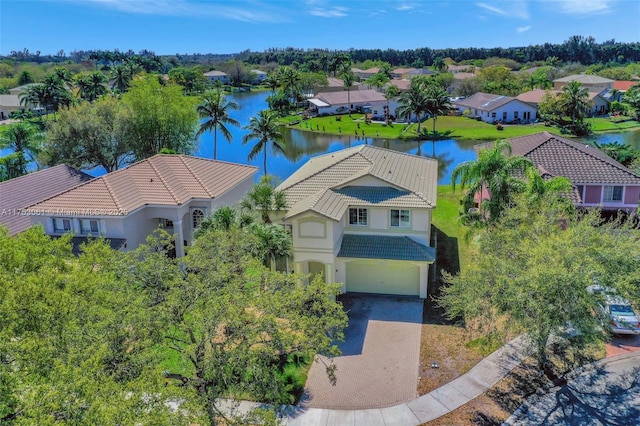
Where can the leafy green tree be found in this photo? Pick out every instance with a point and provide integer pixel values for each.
(234, 323)
(191, 79)
(88, 135)
(290, 81)
(214, 109)
(264, 199)
(632, 97)
(272, 81)
(533, 270)
(495, 171)
(224, 218)
(160, 117)
(265, 129)
(12, 166)
(439, 64)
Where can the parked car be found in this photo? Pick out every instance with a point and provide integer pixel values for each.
(617, 310)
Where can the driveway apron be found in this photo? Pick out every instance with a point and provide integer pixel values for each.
(380, 356)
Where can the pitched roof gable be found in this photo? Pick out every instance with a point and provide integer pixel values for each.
(321, 185)
(169, 180)
(23, 191)
(485, 101)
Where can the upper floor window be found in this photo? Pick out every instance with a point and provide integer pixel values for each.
(612, 194)
(197, 216)
(400, 218)
(61, 224)
(89, 226)
(358, 216)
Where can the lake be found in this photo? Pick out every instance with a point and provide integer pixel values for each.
(300, 146)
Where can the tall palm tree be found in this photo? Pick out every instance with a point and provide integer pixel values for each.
(290, 81)
(437, 102)
(92, 85)
(348, 78)
(215, 108)
(574, 99)
(265, 129)
(272, 81)
(494, 171)
(391, 92)
(413, 101)
(121, 78)
(439, 64)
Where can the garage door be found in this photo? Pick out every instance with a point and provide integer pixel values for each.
(383, 277)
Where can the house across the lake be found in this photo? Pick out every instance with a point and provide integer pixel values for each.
(369, 101)
(495, 108)
(362, 216)
(174, 192)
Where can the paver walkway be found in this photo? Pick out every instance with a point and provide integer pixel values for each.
(420, 410)
(381, 356)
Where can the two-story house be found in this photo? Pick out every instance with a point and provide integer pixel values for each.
(175, 192)
(362, 216)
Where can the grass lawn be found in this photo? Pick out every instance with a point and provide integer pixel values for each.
(461, 127)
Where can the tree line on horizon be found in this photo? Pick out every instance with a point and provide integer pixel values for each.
(577, 48)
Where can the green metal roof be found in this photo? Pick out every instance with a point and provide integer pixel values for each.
(385, 247)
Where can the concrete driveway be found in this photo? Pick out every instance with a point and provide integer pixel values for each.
(607, 394)
(380, 356)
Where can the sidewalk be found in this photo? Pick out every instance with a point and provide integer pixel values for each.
(420, 410)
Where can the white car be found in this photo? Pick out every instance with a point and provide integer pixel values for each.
(622, 318)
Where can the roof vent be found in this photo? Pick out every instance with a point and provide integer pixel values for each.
(151, 180)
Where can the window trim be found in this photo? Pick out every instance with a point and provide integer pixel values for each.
(84, 231)
(359, 211)
(200, 218)
(612, 188)
(62, 230)
(401, 224)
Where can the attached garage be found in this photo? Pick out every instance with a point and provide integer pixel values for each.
(383, 277)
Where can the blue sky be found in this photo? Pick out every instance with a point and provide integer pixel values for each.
(216, 26)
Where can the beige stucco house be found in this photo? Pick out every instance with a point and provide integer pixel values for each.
(362, 217)
(174, 192)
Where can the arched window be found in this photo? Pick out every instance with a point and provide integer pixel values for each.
(197, 215)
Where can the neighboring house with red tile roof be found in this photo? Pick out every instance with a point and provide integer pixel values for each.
(623, 86)
(495, 108)
(327, 103)
(362, 216)
(599, 104)
(21, 192)
(172, 191)
(599, 180)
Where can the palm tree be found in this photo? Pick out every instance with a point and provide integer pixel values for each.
(264, 198)
(91, 86)
(290, 83)
(391, 92)
(121, 78)
(22, 138)
(215, 108)
(264, 128)
(439, 64)
(348, 78)
(413, 101)
(272, 81)
(273, 242)
(437, 102)
(574, 99)
(494, 171)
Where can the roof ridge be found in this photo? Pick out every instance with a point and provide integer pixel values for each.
(605, 158)
(160, 177)
(195, 176)
(356, 152)
(111, 193)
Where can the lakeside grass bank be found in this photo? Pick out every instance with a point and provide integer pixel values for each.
(460, 127)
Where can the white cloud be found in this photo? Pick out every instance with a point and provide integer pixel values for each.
(511, 9)
(332, 12)
(584, 7)
(253, 12)
(523, 29)
(404, 7)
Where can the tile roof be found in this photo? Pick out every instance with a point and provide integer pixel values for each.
(584, 79)
(400, 84)
(159, 180)
(215, 73)
(485, 101)
(322, 185)
(355, 96)
(24, 191)
(385, 247)
(463, 75)
(624, 85)
(580, 163)
(536, 95)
